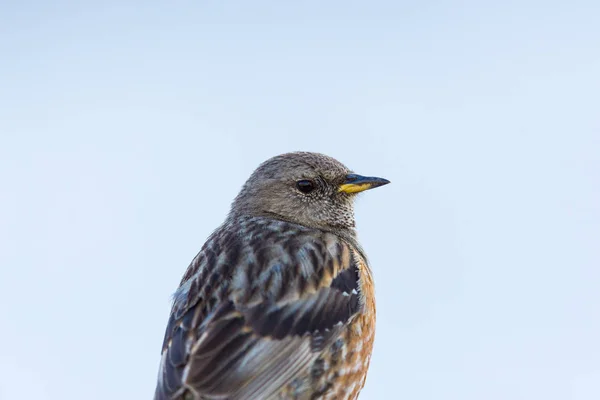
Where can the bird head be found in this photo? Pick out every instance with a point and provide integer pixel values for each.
(309, 189)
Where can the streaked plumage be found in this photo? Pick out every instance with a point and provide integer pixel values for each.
(279, 303)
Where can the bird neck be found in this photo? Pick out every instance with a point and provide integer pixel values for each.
(345, 232)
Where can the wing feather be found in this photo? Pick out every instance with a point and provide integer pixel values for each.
(231, 336)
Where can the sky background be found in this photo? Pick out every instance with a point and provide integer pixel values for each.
(127, 127)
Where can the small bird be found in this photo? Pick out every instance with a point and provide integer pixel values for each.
(279, 303)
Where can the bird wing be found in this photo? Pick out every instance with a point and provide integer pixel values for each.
(255, 312)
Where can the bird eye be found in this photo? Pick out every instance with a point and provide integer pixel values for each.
(305, 186)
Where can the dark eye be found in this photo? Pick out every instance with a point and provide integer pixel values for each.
(305, 186)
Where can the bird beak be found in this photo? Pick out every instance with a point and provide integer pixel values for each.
(357, 183)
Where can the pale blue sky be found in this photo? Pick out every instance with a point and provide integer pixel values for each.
(126, 128)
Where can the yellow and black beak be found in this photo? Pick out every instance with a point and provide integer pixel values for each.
(356, 183)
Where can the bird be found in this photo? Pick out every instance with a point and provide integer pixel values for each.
(279, 303)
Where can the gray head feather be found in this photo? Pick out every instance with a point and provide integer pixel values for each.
(272, 190)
